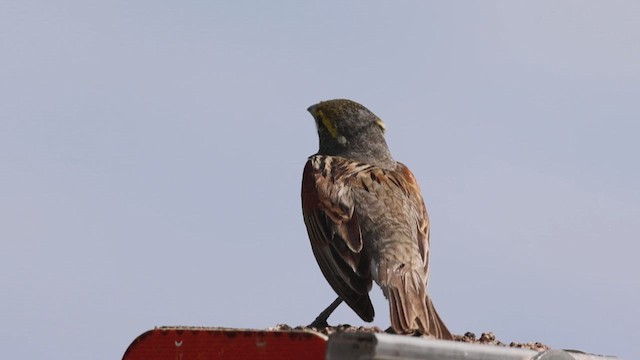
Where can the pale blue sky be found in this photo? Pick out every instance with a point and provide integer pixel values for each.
(151, 156)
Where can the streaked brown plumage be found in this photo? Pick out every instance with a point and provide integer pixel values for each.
(366, 219)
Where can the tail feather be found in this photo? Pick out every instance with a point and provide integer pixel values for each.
(400, 320)
(434, 325)
(410, 307)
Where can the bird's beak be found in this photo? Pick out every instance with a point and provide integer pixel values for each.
(312, 110)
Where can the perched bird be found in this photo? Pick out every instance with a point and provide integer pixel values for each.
(366, 220)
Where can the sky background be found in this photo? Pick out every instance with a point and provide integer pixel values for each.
(151, 155)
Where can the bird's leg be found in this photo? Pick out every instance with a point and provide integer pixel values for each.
(321, 321)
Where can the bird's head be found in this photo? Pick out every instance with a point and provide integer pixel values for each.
(346, 128)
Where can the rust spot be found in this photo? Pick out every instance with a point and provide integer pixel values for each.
(261, 343)
(230, 334)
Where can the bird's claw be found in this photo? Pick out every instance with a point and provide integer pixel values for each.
(319, 323)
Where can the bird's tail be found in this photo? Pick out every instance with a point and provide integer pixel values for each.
(410, 307)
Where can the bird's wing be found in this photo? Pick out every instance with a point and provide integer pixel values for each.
(410, 186)
(408, 305)
(334, 231)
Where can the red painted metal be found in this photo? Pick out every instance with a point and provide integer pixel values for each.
(187, 343)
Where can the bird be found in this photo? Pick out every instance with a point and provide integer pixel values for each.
(366, 220)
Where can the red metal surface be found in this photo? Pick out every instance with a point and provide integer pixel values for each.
(184, 343)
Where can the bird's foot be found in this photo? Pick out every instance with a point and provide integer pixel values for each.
(319, 323)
